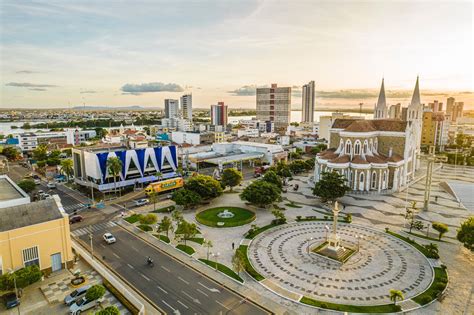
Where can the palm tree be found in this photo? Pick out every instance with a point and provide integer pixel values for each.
(158, 175)
(67, 167)
(208, 244)
(114, 165)
(396, 295)
(238, 262)
(153, 197)
(165, 225)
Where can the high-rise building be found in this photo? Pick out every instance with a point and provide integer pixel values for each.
(274, 104)
(454, 109)
(435, 129)
(187, 106)
(219, 114)
(308, 102)
(449, 107)
(436, 106)
(171, 108)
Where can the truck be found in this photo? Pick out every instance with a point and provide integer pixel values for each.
(165, 185)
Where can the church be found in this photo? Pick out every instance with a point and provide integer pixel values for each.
(378, 155)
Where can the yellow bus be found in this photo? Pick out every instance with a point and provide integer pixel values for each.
(165, 185)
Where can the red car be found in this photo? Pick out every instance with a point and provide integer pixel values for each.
(75, 219)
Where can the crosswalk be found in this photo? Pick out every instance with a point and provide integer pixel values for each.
(93, 228)
(72, 208)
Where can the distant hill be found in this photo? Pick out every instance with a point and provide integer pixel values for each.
(108, 108)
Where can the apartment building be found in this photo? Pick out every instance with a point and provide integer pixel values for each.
(187, 106)
(219, 114)
(308, 102)
(274, 104)
(171, 108)
(435, 129)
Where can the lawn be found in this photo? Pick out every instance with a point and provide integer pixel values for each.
(164, 210)
(145, 227)
(241, 216)
(248, 267)
(222, 268)
(387, 308)
(439, 284)
(185, 248)
(292, 205)
(425, 237)
(162, 238)
(259, 230)
(198, 240)
(133, 218)
(413, 243)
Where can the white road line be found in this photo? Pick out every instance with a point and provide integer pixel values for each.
(165, 269)
(117, 256)
(222, 305)
(184, 305)
(103, 246)
(210, 289)
(130, 266)
(146, 278)
(202, 292)
(187, 294)
(168, 305)
(161, 289)
(183, 280)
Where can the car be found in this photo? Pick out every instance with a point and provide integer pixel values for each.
(109, 238)
(141, 202)
(37, 181)
(35, 176)
(40, 192)
(45, 196)
(51, 185)
(11, 300)
(75, 219)
(75, 295)
(83, 305)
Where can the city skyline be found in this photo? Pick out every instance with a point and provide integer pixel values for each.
(60, 55)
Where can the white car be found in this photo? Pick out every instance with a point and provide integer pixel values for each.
(141, 202)
(45, 196)
(83, 305)
(109, 238)
(37, 181)
(51, 185)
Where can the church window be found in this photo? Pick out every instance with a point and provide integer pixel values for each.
(357, 147)
(348, 147)
(374, 180)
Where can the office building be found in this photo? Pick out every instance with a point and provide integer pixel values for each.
(435, 129)
(308, 102)
(274, 104)
(187, 107)
(436, 106)
(219, 114)
(171, 108)
(395, 111)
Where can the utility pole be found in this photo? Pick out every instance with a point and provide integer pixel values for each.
(431, 158)
(92, 246)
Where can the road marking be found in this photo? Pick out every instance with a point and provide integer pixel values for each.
(146, 278)
(202, 292)
(116, 255)
(103, 246)
(210, 289)
(168, 305)
(192, 298)
(165, 269)
(183, 280)
(130, 266)
(162, 289)
(184, 305)
(222, 305)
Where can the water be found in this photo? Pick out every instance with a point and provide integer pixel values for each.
(296, 116)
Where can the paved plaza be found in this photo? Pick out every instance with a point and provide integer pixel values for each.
(383, 263)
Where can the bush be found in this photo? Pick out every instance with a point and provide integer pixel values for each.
(109, 310)
(145, 227)
(24, 277)
(27, 185)
(148, 218)
(133, 218)
(425, 300)
(95, 292)
(348, 218)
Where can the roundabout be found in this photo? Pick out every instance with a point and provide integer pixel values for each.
(225, 217)
(284, 255)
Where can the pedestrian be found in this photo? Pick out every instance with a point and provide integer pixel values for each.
(436, 198)
(122, 214)
(233, 245)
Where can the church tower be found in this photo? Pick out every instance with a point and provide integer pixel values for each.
(415, 117)
(381, 110)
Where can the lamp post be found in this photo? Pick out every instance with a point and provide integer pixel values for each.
(216, 255)
(92, 246)
(326, 227)
(10, 271)
(309, 244)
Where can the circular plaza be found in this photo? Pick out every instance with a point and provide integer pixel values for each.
(381, 262)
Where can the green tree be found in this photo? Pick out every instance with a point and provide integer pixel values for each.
(177, 216)
(206, 186)
(465, 233)
(282, 169)
(261, 193)
(441, 228)
(186, 198)
(114, 166)
(272, 178)
(417, 225)
(11, 153)
(396, 295)
(294, 155)
(238, 261)
(27, 185)
(95, 292)
(279, 216)
(149, 218)
(53, 161)
(165, 225)
(209, 245)
(23, 277)
(297, 166)
(186, 230)
(40, 153)
(67, 168)
(109, 310)
(231, 177)
(309, 164)
(432, 250)
(153, 197)
(100, 132)
(331, 186)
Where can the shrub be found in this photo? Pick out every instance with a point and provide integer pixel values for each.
(348, 218)
(324, 305)
(95, 292)
(425, 300)
(24, 277)
(27, 185)
(148, 218)
(109, 310)
(298, 218)
(145, 227)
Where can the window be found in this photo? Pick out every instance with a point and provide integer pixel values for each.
(348, 147)
(376, 145)
(30, 256)
(374, 180)
(361, 178)
(357, 147)
(366, 144)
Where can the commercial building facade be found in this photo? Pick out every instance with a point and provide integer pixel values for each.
(28, 142)
(274, 104)
(187, 106)
(308, 102)
(219, 114)
(435, 129)
(171, 108)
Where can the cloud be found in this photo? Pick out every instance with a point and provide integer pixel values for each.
(137, 89)
(37, 89)
(246, 90)
(88, 92)
(26, 72)
(29, 85)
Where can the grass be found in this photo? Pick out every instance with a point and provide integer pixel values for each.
(198, 240)
(222, 268)
(133, 218)
(425, 237)
(165, 209)
(422, 249)
(292, 205)
(259, 230)
(313, 218)
(145, 227)
(185, 248)
(438, 285)
(248, 267)
(162, 238)
(241, 216)
(386, 308)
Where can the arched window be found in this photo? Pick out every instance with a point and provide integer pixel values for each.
(366, 144)
(371, 145)
(376, 145)
(373, 185)
(348, 147)
(357, 147)
(384, 179)
(361, 178)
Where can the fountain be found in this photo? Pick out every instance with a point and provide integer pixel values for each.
(226, 214)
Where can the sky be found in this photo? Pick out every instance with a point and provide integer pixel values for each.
(118, 53)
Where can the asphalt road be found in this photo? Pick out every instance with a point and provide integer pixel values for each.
(71, 200)
(173, 286)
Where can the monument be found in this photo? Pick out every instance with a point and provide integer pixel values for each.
(334, 241)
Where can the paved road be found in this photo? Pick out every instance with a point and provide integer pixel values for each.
(71, 200)
(170, 284)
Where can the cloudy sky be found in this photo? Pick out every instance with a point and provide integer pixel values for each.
(66, 53)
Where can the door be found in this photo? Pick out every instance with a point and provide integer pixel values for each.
(56, 262)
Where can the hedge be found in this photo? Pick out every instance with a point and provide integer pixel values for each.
(248, 267)
(222, 268)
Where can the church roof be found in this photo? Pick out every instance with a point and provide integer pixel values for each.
(416, 99)
(361, 125)
(382, 102)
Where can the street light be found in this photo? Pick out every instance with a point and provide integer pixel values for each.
(309, 244)
(10, 271)
(92, 246)
(216, 255)
(327, 230)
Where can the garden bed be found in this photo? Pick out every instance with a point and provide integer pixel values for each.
(210, 217)
(164, 210)
(162, 238)
(185, 248)
(248, 267)
(198, 240)
(133, 218)
(386, 308)
(437, 287)
(145, 227)
(260, 230)
(422, 249)
(222, 268)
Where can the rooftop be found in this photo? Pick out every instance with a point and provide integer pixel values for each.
(359, 125)
(9, 190)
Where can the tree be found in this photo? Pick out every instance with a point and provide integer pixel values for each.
(331, 186)
(261, 193)
(209, 245)
(432, 250)
(95, 292)
(177, 216)
(396, 295)
(294, 155)
(11, 153)
(114, 165)
(297, 166)
(309, 164)
(238, 261)
(23, 277)
(186, 198)
(40, 153)
(231, 177)
(441, 228)
(149, 218)
(282, 169)
(206, 186)
(100, 132)
(67, 167)
(109, 310)
(153, 197)
(27, 185)
(165, 225)
(417, 225)
(279, 216)
(53, 161)
(272, 178)
(187, 230)
(466, 233)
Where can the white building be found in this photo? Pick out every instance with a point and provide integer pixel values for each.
(274, 104)
(171, 108)
(248, 132)
(180, 137)
(177, 123)
(30, 141)
(187, 106)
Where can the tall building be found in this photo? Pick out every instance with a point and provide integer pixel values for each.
(308, 102)
(219, 114)
(435, 129)
(395, 111)
(454, 109)
(449, 107)
(380, 110)
(171, 108)
(274, 104)
(187, 106)
(436, 106)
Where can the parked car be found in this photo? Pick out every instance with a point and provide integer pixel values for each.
(51, 185)
(109, 238)
(45, 196)
(141, 202)
(76, 295)
(83, 305)
(75, 219)
(37, 181)
(11, 300)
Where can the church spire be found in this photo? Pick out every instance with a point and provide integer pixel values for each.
(415, 99)
(381, 111)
